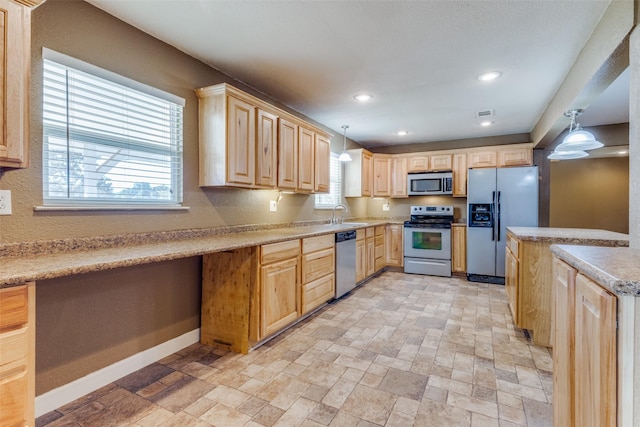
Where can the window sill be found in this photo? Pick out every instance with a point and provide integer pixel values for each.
(111, 208)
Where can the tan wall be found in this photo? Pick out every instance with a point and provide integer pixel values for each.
(590, 193)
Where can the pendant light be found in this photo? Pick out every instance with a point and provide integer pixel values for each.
(577, 139)
(567, 155)
(344, 157)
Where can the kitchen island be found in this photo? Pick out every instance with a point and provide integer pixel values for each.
(596, 354)
(529, 275)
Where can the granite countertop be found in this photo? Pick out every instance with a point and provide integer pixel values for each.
(616, 269)
(572, 236)
(20, 263)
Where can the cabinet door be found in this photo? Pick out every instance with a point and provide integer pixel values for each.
(317, 293)
(459, 249)
(515, 157)
(459, 175)
(306, 159)
(440, 162)
(241, 142)
(418, 163)
(266, 148)
(393, 245)
(399, 181)
(279, 286)
(287, 155)
(482, 159)
(323, 164)
(367, 173)
(595, 355)
(370, 263)
(381, 176)
(361, 260)
(563, 343)
(15, 54)
(511, 284)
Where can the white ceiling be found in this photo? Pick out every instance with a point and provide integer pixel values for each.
(419, 59)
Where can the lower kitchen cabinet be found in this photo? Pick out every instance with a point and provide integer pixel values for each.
(370, 248)
(17, 358)
(279, 295)
(584, 351)
(361, 255)
(379, 253)
(318, 271)
(459, 248)
(393, 244)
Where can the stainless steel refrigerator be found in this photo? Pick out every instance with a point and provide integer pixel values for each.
(496, 199)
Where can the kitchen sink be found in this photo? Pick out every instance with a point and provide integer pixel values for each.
(354, 224)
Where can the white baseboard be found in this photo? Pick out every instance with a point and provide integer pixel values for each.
(67, 393)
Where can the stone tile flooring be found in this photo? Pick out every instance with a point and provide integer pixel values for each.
(402, 350)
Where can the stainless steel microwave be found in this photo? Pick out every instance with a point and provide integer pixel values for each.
(430, 184)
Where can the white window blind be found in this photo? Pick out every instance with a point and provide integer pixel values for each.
(329, 200)
(106, 143)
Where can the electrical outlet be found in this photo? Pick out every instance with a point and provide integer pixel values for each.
(385, 207)
(273, 206)
(5, 202)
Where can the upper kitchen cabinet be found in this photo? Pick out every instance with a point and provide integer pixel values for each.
(459, 175)
(425, 162)
(322, 163)
(399, 177)
(381, 175)
(359, 174)
(518, 156)
(483, 159)
(15, 54)
(248, 143)
(501, 156)
(417, 163)
(440, 162)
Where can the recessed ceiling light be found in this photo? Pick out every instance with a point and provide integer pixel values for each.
(487, 77)
(486, 123)
(402, 132)
(363, 97)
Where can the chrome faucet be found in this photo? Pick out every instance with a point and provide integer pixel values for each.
(335, 220)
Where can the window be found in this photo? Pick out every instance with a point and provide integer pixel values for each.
(329, 200)
(108, 142)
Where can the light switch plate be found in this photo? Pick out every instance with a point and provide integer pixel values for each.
(273, 206)
(5, 202)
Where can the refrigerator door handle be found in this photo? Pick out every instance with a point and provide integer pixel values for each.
(498, 215)
(493, 218)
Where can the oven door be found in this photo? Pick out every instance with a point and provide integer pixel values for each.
(427, 241)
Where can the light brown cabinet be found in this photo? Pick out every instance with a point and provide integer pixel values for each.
(306, 160)
(248, 143)
(318, 266)
(512, 272)
(459, 175)
(359, 174)
(322, 164)
(394, 245)
(370, 247)
(361, 255)
(423, 162)
(482, 159)
(440, 162)
(381, 175)
(17, 358)
(379, 252)
(518, 156)
(458, 248)
(15, 58)
(585, 351)
(417, 163)
(399, 177)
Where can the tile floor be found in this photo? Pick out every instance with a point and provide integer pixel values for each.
(403, 350)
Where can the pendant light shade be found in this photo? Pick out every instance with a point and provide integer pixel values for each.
(577, 139)
(344, 157)
(567, 155)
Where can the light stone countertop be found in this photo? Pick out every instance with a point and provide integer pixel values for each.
(571, 236)
(50, 259)
(615, 269)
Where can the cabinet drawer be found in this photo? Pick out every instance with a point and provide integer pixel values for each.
(317, 293)
(13, 307)
(369, 232)
(379, 263)
(360, 234)
(379, 231)
(13, 398)
(513, 245)
(278, 251)
(13, 346)
(312, 244)
(317, 264)
(379, 250)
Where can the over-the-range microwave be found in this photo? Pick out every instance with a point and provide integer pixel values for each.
(430, 184)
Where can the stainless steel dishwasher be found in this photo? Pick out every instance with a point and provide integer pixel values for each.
(345, 262)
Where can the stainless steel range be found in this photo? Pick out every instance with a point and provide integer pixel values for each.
(427, 241)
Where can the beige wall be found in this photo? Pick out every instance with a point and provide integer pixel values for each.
(590, 193)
